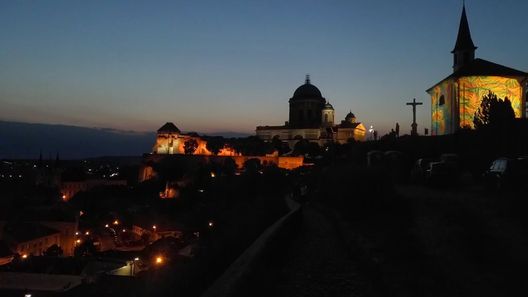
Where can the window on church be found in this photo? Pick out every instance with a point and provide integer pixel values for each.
(441, 101)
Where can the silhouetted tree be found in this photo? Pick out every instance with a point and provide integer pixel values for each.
(190, 146)
(305, 147)
(53, 251)
(229, 167)
(86, 248)
(280, 146)
(252, 146)
(175, 168)
(215, 144)
(493, 111)
(252, 166)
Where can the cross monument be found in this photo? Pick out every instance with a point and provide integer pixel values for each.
(414, 126)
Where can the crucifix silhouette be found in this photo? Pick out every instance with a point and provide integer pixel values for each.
(414, 126)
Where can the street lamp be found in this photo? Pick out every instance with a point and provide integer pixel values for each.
(371, 131)
(159, 260)
(133, 268)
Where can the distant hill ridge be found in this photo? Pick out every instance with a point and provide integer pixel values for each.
(20, 140)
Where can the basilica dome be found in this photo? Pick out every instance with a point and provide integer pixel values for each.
(328, 106)
(307, 91)
(350, 117)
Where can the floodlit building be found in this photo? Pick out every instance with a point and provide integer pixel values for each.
(170, 140)
(456, 98)
(312, 117)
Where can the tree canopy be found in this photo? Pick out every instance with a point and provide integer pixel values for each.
(190, 146)
(215, 144)
(493, 111)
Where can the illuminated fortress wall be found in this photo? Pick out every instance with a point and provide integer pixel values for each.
(473, 88)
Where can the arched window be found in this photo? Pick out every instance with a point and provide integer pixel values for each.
(441, 101)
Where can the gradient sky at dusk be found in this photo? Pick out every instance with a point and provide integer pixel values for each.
(232, 65)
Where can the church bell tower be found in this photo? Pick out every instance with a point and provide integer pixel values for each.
(464, 51)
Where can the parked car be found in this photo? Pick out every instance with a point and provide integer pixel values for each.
(506, 173)
(452, 161)
(375, 159)
(418, 172)
(438, 174)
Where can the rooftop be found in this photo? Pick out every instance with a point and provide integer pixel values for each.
(481, 67)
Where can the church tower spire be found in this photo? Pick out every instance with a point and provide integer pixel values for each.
(464, 51)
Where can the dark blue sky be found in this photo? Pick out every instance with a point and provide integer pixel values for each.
(233, 65)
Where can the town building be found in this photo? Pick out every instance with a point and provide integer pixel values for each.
(25, 238)
(456, 98)
(68, 189)
(312, 117)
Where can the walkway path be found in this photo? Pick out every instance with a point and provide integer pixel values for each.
(315, 263)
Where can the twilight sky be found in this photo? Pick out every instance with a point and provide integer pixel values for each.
(225, 65)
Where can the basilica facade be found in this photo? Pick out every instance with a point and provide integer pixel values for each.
(312, 117)
(456, 98)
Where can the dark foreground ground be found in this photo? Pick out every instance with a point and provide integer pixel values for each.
(406, 240)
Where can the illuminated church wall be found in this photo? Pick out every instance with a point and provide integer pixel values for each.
(473, 88)
(468, 91)
(442, 108)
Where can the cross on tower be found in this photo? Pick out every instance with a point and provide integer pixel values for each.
(414, 126)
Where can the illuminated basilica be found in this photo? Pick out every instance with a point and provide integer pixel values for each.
(312, 118)
(455, 99)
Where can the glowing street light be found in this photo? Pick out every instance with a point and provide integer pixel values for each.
(124, 230)
(106, 226)
(210, 224)
(24, 256)
(78, 241)
(154, 227)
(213, 174)
(159, 260)
(87, 233)
(116, 222)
